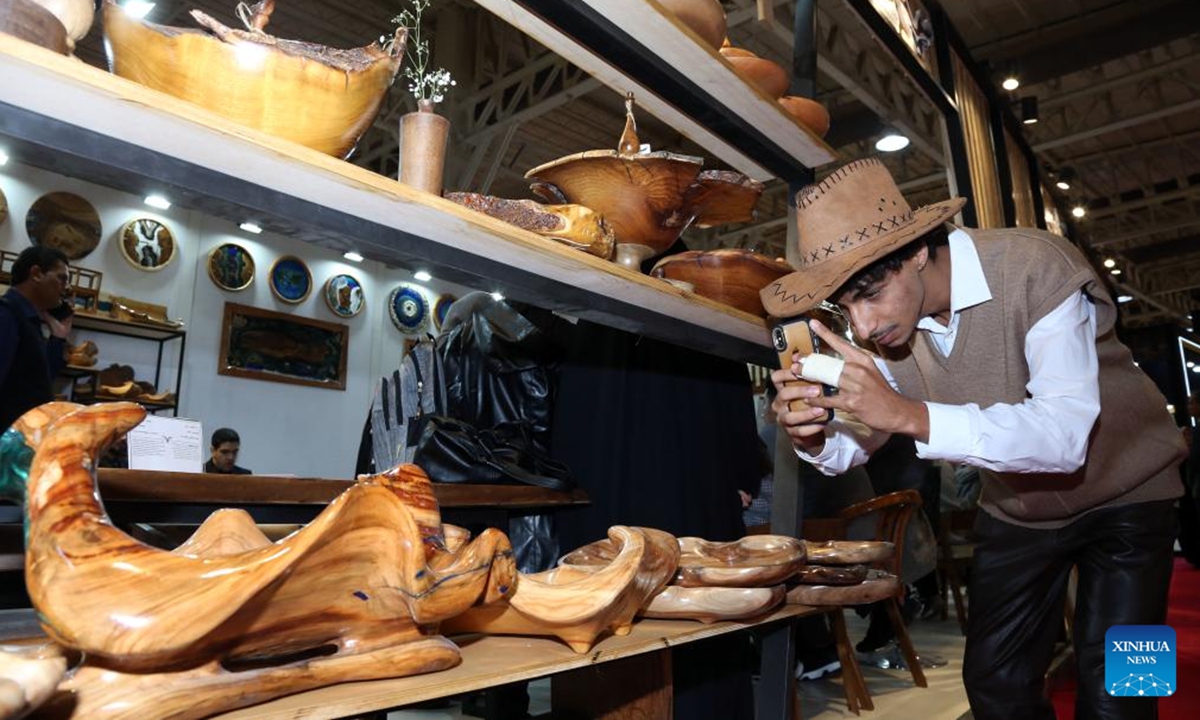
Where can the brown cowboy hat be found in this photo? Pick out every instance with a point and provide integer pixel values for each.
(847, 221)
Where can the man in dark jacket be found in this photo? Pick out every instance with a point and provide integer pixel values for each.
(28, 361)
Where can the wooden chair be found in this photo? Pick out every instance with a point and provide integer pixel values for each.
(892, 511)
(954, 558)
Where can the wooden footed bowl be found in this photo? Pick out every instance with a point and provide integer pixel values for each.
(753, 561)
(711, 604)
(878, 586)
(733, 277)
(321, 97)
(768, 76)
(849, 552)
(810, 113)
(33, 23)
(706, 18)
(574, 225)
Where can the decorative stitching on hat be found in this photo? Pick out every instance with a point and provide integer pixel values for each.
(806, 194)
(793, 298)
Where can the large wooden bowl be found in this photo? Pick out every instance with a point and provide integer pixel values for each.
(753, 561)
(810, 113)
(33, 23)
(321, 97)
(768, 76)
(733, 277)
(706, 18)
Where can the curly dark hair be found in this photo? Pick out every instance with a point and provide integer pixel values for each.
(890, 263)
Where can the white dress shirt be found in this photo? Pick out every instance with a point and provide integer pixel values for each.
(1047, 432)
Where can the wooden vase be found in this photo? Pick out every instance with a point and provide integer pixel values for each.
(423, 136)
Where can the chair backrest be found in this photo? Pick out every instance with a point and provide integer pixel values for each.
(893, 513)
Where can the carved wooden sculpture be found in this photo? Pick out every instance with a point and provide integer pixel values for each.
(649, 198)
(578, 603)
(230, 619)
(877, 586)
(710, 604)
(730, 276)
(849, 552)
(315, 95)
(574, 225)
(28, 677)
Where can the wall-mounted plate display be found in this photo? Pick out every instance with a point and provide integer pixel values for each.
(408, 308)
(441, 307)
(231, 267)
(147, 244)
(344, 295)
(291, 281)
(64, 221)
(3, 207)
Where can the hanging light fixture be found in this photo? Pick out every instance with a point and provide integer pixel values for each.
(1029, 109)
(892, 140)
(1011, 83)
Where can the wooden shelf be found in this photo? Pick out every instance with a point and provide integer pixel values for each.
(497, 660)
(211, 488)
(104, 323)
(63, 116)
(640, 46)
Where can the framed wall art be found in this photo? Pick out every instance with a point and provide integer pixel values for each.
(64, 221)
(147, 244)
(409, 309)
(230, 267)
(344, 295)
(290, 279)
(267, 345)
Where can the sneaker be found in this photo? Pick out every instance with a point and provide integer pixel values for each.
(817, 664)
(879, 634)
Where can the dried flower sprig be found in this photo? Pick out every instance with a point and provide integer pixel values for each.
(428, 86)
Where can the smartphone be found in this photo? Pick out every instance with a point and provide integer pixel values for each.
(795, 336)
(63, 310)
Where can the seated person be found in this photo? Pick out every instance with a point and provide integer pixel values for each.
(225, 446)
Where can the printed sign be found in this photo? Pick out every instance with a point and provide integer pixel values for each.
(1139, 661)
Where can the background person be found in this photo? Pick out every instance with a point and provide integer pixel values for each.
(225, 447)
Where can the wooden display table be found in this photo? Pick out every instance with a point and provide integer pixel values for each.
(639, 685)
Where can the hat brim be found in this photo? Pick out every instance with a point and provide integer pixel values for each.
(801, 291)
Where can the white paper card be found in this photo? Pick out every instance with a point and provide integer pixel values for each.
(168, 444)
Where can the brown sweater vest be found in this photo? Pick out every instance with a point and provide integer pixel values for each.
(1134, 447)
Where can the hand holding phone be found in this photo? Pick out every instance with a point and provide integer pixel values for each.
(789, 338)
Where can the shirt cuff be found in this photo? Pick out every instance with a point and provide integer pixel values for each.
(950, 432)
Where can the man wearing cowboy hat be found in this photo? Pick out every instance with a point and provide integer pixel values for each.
(997, 349)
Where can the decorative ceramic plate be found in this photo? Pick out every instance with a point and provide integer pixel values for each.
(408, 308)
(231, 267)
(147, 244)
(291, 281)
(66, 222)
(441, 307)
(3, 207)
(344, 295)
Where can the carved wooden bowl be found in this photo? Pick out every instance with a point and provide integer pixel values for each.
(768, 76)
(810, 113)
(574, 225)
(321, 97)
(711, 604)
(33, 23)
(647, 198)
(706, 18)
(878, 586)
(849, 552)
(753, 561)
(733, 277)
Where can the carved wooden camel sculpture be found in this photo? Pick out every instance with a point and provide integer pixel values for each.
(230, 619)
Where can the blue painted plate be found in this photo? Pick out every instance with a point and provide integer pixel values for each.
(291, 281)
(344, 295)
(409, 309)
(441, 307)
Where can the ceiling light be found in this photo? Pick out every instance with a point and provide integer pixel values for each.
(137, 8)
(1191, 364)
(1109, 262)
(1124, 298)
(1115, 271)
(158, 201)
(353, 256)
(250, 228)
(1029, 109)
(1062, 185)
(497, 296)
(891, 142)
(3, 157)
(1196, 369)
(1010, 83)
(1078, 211)
(422, 276)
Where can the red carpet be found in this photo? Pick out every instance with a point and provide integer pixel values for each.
(1183, 614)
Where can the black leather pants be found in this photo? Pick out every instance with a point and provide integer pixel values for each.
(1018, 585)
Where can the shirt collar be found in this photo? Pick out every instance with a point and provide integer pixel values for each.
(968, 286)
(22, 303)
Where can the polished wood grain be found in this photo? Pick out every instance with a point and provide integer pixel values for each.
(640, 688)
(28, 677)
(320, 97)
(577, 604)
(753, 561)
(711, 604)
(230, 618)
(831, 575)
(808, 112)
(730, 276)
(878, 586)
(849, 552)
(33, 23)
(767, 75)
(705, 18)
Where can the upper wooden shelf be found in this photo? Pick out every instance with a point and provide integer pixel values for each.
(93, 321)
(640, 46)
(66, 117)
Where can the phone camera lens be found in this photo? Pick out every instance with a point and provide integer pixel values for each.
(779, 338)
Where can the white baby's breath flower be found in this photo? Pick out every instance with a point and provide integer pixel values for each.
(425, 83)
